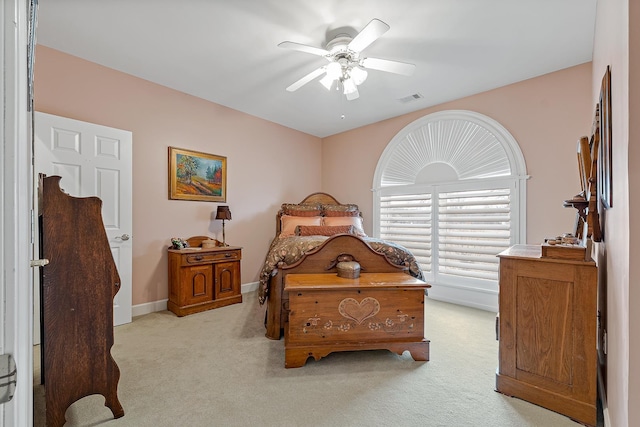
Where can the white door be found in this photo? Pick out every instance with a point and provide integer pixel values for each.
(93, 160)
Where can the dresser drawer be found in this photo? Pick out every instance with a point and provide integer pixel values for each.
(209, 257)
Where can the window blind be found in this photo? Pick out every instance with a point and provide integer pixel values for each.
(473, 227)
(406, 220)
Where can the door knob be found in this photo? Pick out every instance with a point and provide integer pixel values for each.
(123, 237)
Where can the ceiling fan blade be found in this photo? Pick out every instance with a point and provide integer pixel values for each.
(352, 95)
(306, 79)
(304, 48)
(368, 35)
(396, 67)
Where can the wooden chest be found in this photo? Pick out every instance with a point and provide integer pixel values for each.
(375, 311)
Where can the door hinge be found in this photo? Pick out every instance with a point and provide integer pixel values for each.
(38, 262)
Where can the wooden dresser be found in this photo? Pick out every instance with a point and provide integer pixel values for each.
(547, 332)
(203, 279)
(375, 311)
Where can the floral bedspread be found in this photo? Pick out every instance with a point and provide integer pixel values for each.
(290, 250)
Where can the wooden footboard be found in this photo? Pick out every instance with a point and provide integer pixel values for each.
(319, 261)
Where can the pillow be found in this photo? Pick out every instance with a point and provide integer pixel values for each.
(356, 221)
(323, 230)
(341, 213)
(340, 210)
(289, 223)
(291, 209)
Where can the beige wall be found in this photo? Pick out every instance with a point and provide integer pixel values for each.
(256, 152)
(616, 44)
(546, 115)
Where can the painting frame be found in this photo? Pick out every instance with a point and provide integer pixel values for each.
(605, 149)
(197, 176)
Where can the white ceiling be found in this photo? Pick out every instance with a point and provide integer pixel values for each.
(226, 51)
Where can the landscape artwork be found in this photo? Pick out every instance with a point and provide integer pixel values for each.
(197, 176)
(605, 156)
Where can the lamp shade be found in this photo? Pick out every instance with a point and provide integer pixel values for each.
(334, 70)
(349, 86)
(327, 81)
(358, 75)
(223, 212)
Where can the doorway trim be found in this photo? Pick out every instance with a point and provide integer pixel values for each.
(16, 300)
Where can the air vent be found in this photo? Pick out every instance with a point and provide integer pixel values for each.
(411, 98)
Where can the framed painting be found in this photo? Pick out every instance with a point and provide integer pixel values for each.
(197, 176)
(604, 154)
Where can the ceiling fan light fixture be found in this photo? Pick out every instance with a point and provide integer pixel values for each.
(327, 81)
(358, 75)
(334, 70)
(349, 86)
(346, 67)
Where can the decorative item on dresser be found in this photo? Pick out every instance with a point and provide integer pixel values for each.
(547, 331)
(77, 290)
(295, 250)
(224, 214)
(202, 278)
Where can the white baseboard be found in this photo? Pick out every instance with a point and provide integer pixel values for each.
(249, 287)
(161, 305)
(466, 296)
(148, 307)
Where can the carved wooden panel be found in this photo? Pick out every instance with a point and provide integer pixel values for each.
(226, 274)
(78, 286)
(544, 317)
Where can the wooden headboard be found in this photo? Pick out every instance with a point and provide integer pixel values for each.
(322, 198)
(319, 197)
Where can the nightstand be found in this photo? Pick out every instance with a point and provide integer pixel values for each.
(201, 279)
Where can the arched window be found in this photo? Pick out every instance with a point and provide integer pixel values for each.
(451, 187)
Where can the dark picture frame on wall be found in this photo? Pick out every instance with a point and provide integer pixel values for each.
(197, 176)
(604, 154)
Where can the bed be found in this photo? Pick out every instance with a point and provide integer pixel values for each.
(311, 237)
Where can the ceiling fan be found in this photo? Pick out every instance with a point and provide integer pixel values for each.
(347, 67)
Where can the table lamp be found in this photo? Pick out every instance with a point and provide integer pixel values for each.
(223, 213)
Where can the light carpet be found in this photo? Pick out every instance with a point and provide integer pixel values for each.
(217, 368)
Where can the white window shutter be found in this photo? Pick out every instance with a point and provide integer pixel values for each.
(450, 187)
(406, 220)
(473, 226)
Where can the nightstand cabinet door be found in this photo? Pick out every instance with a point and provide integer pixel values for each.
(227, 276)
(197, 285)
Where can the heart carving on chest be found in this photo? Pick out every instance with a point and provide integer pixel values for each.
(359, 311)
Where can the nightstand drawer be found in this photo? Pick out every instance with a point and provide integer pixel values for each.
(205, 258)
